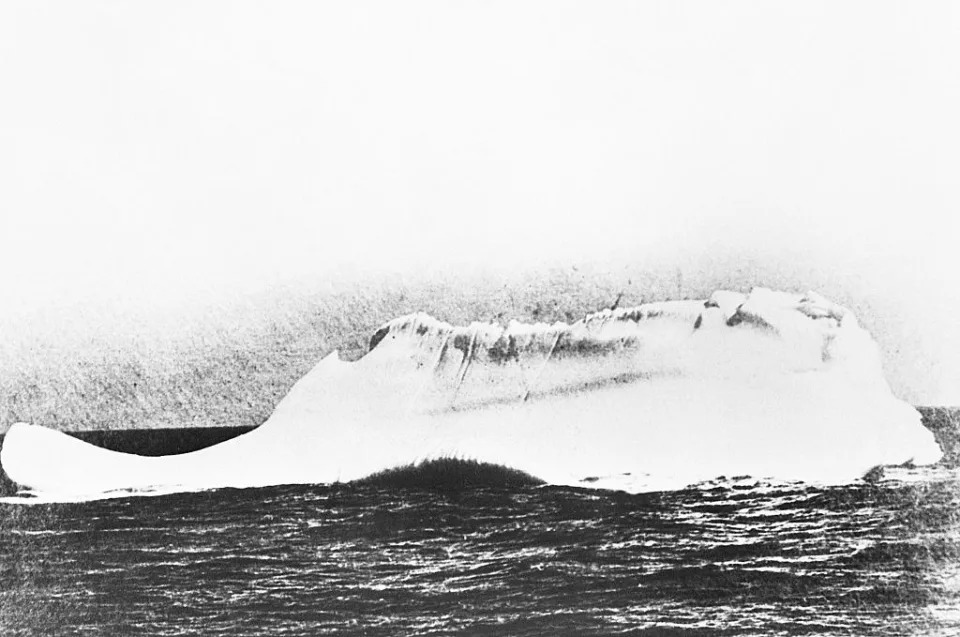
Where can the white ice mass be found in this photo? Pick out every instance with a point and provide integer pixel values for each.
(662, 395)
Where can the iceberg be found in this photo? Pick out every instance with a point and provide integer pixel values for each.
(658, 396)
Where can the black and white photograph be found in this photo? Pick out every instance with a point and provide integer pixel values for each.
(540, 317)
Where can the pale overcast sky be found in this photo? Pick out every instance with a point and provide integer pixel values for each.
(149, 150)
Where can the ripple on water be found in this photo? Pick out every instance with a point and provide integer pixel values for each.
(736, 557)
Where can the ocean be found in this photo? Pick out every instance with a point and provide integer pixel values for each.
(478, 552)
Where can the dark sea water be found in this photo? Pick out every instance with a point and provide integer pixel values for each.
(732, 557)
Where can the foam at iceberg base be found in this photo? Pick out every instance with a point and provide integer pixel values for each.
(662, 395)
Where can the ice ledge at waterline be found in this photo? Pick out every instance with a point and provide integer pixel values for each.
(661, 395)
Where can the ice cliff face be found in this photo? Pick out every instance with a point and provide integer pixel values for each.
(728, 336)
(660, 395)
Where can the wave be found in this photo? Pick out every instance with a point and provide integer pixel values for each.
(658, 396)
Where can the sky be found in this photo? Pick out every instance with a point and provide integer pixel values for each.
(156, 153)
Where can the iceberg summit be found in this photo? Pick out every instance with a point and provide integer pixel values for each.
(658, 396)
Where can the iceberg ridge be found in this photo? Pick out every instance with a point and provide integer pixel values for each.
(661, 395)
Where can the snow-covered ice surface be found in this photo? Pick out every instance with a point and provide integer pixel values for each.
(659, 396)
